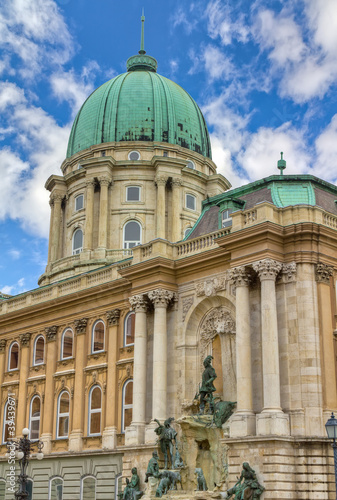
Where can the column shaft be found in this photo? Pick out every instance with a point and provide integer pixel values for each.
(176, 210)
(24, 369)
(48, 414)
(89, 216)
(54, 255)
(159, 390)
(161, 207)
(103, 213)
(243, 351)
(139, 368)
(51, 203)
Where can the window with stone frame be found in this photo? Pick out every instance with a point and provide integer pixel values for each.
(127, 404)
(67, 341)
(34, 418)
(56, 488)
(132, 234)
(95, 411)
(39, 350)
(191, 201)
(79, 202)
(88, 488)
(129, 328)
(77, 241)
(98, 334)
(13, 356)
(63, 411)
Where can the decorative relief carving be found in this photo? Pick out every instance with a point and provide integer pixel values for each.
(104, 181)
(113, 317)
(323, 272)
(161, 297)
(90, 183)
(161, 180)
(240, 276)
(267, 268)
(211, 286)
(81, 325)
(288, 273)
(187, 303)
(138, 303)
(51, 332)
(177, 181)
(3, 343)
(217, 322)
(25, 339)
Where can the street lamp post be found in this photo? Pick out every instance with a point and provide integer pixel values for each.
(331, 430)
(23, 449)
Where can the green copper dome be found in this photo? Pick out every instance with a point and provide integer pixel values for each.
(140, 105)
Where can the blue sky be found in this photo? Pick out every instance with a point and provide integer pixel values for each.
(264, 73)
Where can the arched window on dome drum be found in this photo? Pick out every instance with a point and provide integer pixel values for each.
(129, 329)
(63, 406)
(132, 234)
(187, 231)
(127, 404)
(39, 350)
(77, 241)
(13, 357)
(190, 201)
(67, 344)
(95, 411)
(98, 336)
(34, 420)
(88, 488)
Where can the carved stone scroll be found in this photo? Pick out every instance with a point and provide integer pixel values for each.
(267, 268)
(51, 332)
(113, 317)
(323, 272)
(81, 325)
(25, 339)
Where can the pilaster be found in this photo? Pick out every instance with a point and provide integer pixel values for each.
(103, 212)
(176, 209)
(161, 206)
(24, 339)
(51, 356)
(89, 215)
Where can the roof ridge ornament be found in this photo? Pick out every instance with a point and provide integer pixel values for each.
(281, 164)
(141, 62)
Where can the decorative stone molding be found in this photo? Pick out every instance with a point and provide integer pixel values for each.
(90, 183)
(25, 339)
(104, 181)
(161, 297)
(51, 332)
(81, 325)
(55, 197)
(177, 181)
(323, 273)
(211, 286)
(3, 343)
(187, 303)
(113, 317)
(240, 276)
(288, 273)
(161, 180)
(138, 303)
(218, 321)
(267, 269)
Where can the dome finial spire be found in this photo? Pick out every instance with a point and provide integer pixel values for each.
(281, 164)
(142, 51)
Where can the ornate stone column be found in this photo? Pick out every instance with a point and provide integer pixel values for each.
(3, 343)
(78, 407)
(24, 370)
(323, 274)
(109, 435)
(89, 215)
(272, 420)
(51, 203)
(160, 298)
(51, 357)
(56, 199)
(161, 206)
(176, 208)
(103, 212)
(243, 422)
(135, 432)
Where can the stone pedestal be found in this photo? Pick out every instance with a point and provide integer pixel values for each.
(242, 424)
(75, 441)
(135, 434)
(272, 423)
(46, 440)
(151, 488)
(109, 438)
(150, 435)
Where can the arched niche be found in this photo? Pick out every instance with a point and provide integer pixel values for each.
(210, 325)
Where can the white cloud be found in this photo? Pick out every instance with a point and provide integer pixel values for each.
(326, 151)
(217, 65)
(14, 253)
(34, 31)
(15, 289)
(180, 18)
(10, 95)
(322, 17)
(221, 24)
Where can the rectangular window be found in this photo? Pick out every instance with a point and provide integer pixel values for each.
(79, 202)
(226, 217)
(190, 201)
(133, 193)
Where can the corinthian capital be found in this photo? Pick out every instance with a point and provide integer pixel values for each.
(161, 180)
(3, 343)
(25, 339)
(138, 303)
(240, 276)
(56, 197)
(104, 181)
(267, 269)
(161, 297)
(177, 181)
(81, 325)
(323, 272)
(113, 317)
(51, 332)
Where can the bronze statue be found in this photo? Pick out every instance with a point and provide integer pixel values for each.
(167, 435)
(132, 491)
(153, 467)
(247, 487)
(201, 481)
(207, 387)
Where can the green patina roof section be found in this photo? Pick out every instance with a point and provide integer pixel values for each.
(291, 193)
(301, 187)
(140, 106)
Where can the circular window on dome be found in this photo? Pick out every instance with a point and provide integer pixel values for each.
(134, 155)
(190, 164)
